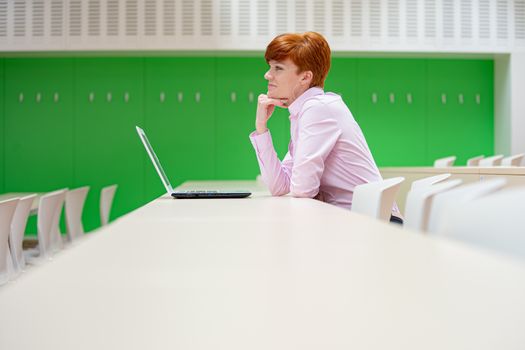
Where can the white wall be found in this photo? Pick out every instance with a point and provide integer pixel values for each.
(509, 104)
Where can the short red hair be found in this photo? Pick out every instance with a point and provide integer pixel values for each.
(308, 51)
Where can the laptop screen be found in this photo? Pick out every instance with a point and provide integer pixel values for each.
(155, 160)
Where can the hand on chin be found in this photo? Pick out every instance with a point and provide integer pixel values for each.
(284, 100)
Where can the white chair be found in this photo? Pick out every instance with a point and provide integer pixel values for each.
(446, 202)
(444, 162)
(419, 201)
(18, 227)
(491, 161)
(493, 222)
(429, 181)
(474, 161)
(49, 210)
(7, 210)
(106, 201)
(514, 160)
(74, 205)
(57, 242)
(376, 199)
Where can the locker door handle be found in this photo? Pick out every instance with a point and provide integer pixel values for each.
(409, 98)
(38, 97)
(444, 99)
(233, 96)
(250, 96)
(374, 98)
(91, 97)
(180, 96)
(392, 98)
(197, 97)
(21, 97)
(460, 99)
(162, 97)
(478, 99)
(109, 96)
(56, 97)
(126, 97)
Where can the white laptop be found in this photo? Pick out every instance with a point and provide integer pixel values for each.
(188, 193)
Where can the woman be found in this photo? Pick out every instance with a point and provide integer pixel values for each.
(328, 154)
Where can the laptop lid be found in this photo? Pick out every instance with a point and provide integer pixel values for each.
(155, 160)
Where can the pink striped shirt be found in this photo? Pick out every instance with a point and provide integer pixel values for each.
(327, 154)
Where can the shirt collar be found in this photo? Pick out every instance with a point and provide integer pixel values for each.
(297, 105)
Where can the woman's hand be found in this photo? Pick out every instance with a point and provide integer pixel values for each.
(265, 107)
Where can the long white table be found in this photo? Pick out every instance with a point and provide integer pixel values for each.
(264, 273)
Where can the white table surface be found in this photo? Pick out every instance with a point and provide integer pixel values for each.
(264, 273)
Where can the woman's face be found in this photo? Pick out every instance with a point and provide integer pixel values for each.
(284, 82)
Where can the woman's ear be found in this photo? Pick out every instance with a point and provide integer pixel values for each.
(307, 77)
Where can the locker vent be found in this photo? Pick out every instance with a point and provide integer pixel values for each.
(411, 18)
(244, 17)
(319, 14)
(20, 18)
(112, 20)
(338, 13)
(262, 17)
(57, 18)
(225, 16)
(3, 18)
(393, 18)
(466, 19)
(94, 18)
(519, 19)
(430, 18)
(131, 18)
(150, 18)
(375, 18)
(502, 19)
(356, 14)
(448, 19)
(38, 18)
(484, 19)
(281, 17)
(206, 17)
(300, 16)
(168, 17)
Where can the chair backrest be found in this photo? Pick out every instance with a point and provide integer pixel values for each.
(474, 161)
(419, 201)
(445, 203)
(106, 201)
(376, 199)
(7, 210)
(49, 210)
(429, 181)
(494, 221)
(491, 161)
(74, 205)
(514, 160)
(444, 162)
(18, 227)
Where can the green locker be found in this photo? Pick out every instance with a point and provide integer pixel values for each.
(180, 119)
(38, 126)
(342, 80)
(108, 106)
(460, 108)
(2, 125)
(239, 82)
(392, 110)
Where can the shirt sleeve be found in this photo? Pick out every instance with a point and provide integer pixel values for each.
(275, 174)
(318, 134)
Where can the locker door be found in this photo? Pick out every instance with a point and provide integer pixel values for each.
(239, 83)
(393, 123)
(342, 79)
(458, 124)
(180, 119)
(38, 125)
(108, 105)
